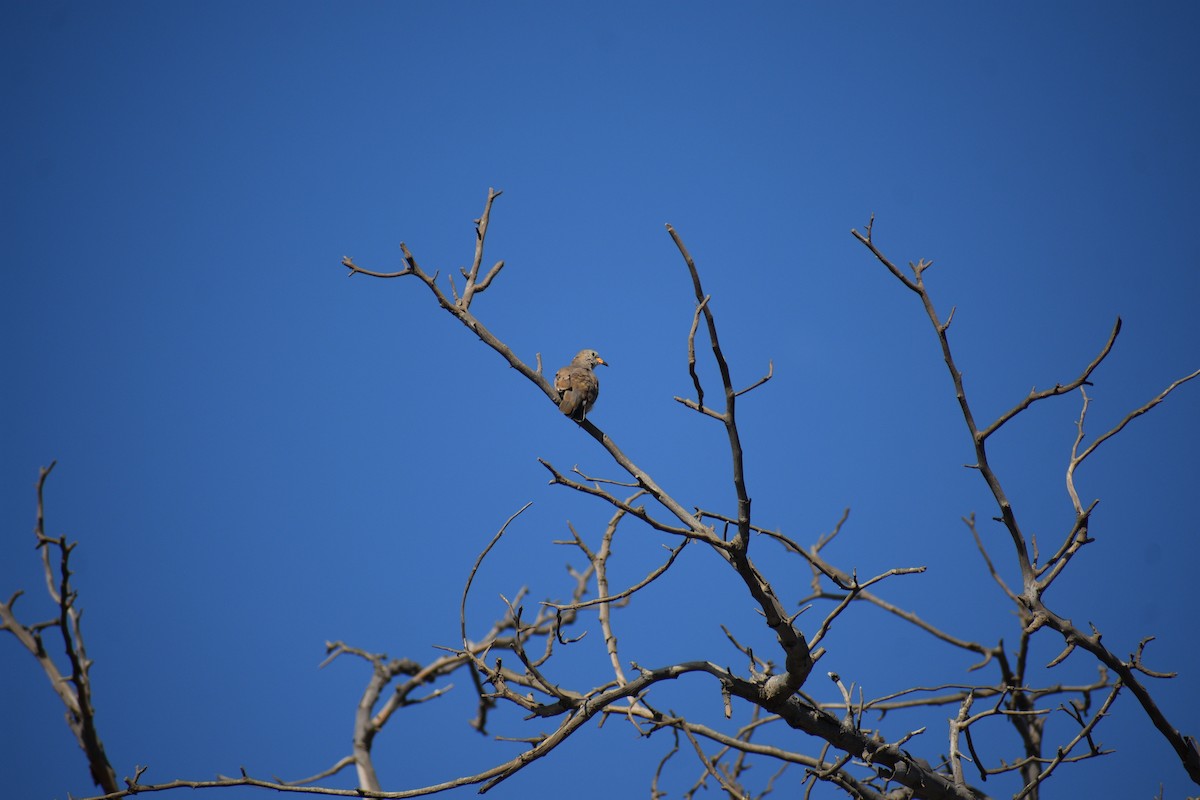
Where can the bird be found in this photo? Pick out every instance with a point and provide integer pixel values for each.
(577, 385)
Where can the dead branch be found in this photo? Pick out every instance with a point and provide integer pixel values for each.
(729, 417)
(462, 609)
(636, 511)
(608, 599)
(1058, 388)
(75, 689)
(1132, 415)
(1034, 613)
(871, 766)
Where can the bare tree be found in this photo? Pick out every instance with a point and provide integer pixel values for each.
(835, 743)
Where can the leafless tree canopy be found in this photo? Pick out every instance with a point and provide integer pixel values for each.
(830, 743)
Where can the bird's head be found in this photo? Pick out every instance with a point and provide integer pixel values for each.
(588, 358)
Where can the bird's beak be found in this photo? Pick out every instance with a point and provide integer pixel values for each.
(600, 360)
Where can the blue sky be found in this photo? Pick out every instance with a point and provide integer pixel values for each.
(259, 455)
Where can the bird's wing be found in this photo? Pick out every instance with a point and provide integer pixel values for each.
(562, 379)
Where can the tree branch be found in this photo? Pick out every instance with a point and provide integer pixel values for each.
(1035, 613)
(75, 689)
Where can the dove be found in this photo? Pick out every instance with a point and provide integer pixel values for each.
(577, 384)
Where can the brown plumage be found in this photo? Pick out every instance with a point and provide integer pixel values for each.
(577, 384)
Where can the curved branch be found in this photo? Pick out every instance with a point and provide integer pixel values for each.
(1132, 415)
(642, 584)
(462, 609)
(1058, 389)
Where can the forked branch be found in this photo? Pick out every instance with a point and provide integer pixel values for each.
(1058, 388)
(729, 416)
(1033, 611)
(75, 688)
